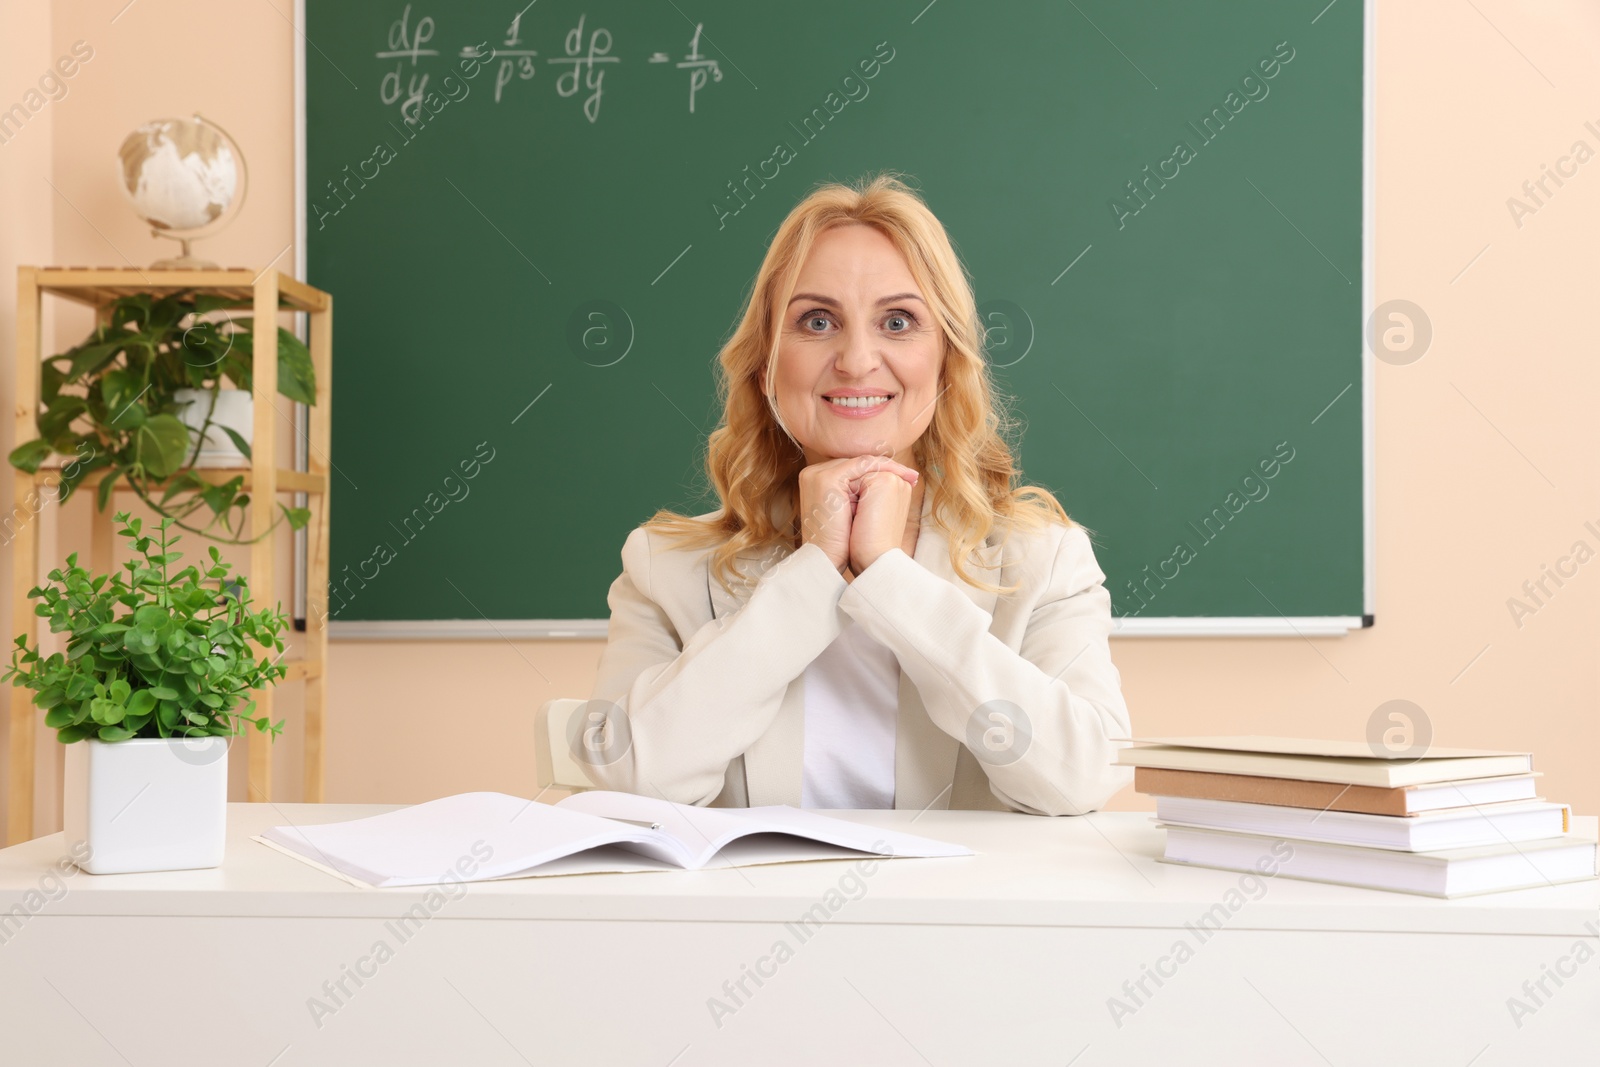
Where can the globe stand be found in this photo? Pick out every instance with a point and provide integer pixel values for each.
(185, 261)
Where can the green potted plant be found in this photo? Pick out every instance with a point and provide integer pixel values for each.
(142, 399)
(155, 681)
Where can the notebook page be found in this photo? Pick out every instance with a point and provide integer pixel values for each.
(466, 837)
(705, 831)
(607, 859)
(847, 834)
(699, 832)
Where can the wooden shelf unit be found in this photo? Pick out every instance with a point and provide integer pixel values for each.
(264, 294)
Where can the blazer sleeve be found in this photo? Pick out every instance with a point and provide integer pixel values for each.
(693, 703)
(1059, 697)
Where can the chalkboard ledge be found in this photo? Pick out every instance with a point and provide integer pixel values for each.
(465, 629)
(595, 629)
(1240, 626)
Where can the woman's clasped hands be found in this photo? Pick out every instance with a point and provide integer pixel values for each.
(857, 508)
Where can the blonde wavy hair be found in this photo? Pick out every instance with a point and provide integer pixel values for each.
(754, 463)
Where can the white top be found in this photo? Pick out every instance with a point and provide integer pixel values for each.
(852, 696)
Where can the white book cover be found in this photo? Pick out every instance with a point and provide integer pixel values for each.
(1429, 831)
(1469, 791)
(1451, 873)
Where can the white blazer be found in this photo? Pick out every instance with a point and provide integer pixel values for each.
(710, 684)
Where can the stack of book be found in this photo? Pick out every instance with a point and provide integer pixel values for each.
(1448, 823)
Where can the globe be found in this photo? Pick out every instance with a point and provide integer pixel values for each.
(185, 177)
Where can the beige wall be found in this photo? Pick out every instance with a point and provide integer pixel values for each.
(25, 228)
(1487, 468)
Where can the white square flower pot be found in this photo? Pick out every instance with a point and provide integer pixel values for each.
(147, 804)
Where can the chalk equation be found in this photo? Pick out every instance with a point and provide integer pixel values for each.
(699, 67)
(585, 57)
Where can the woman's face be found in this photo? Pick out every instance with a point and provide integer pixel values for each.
(857, 327)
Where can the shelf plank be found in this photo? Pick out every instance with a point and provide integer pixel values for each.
(95, 286)
(289, 481)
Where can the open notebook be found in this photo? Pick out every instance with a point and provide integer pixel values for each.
(473, 837)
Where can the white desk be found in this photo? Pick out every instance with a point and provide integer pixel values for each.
(1008, 958)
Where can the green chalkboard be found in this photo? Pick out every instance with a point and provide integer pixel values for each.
(535, 257)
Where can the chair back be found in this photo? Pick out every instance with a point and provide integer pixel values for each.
(555, 764)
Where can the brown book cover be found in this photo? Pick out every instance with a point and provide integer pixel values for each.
(1290, 792)
(1313, 760)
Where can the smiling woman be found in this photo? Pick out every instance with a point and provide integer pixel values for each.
(879, 615)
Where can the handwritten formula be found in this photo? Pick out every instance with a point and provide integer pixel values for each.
(584, 58)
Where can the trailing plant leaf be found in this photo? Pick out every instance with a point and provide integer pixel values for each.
(103, 491)
(160, 445)
(50, 380)
(88, 358)
(296, 375)
(224, 496)
(74, 473)
(55, 422)
(188, 481)
(238, 442)
(205, 303)
(28, 455)
(120, 392)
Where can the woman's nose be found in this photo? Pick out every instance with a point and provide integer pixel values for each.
(856, 356)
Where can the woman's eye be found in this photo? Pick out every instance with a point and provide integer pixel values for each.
(816, 323)
(898, 323)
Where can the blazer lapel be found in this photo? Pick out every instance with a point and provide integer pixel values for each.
(925, 756)
(750, 569)
(773, 765)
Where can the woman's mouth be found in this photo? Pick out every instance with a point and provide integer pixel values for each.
(857, 407)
